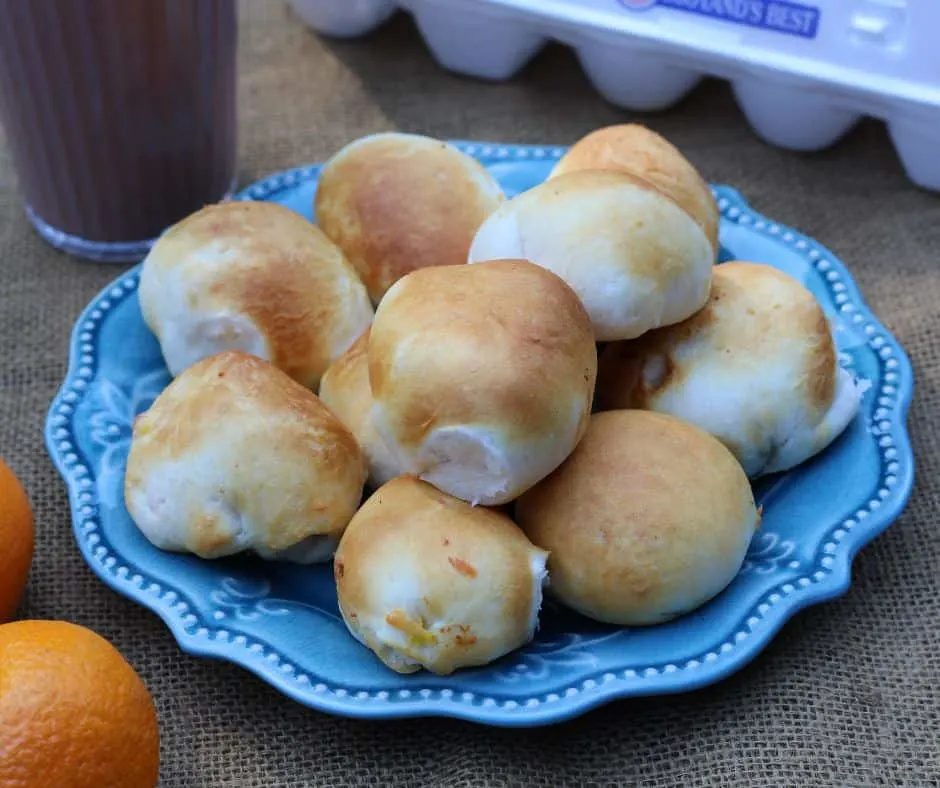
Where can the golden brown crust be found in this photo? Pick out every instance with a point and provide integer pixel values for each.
(346, 373)
(633, 148)
(266, 262)
(821, 377)
(634, 257)
(452, 578)
(755, 313)
(646, 258)
(227, 385)
(244, 442)
(644, 509)
(398, 202)
(345, 390)
(511, 339)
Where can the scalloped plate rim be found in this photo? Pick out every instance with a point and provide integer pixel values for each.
(836, 583)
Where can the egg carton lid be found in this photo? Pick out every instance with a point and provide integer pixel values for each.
(803, 71)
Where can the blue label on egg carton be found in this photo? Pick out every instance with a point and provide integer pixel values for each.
(793, 19)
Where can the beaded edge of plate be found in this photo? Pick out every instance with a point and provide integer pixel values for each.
(828, 573)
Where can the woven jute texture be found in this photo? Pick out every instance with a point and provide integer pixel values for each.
(848, 694)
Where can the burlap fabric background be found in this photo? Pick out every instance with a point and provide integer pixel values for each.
(847, 694)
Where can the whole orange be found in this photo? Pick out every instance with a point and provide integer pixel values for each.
(73, 713)
(16, 541)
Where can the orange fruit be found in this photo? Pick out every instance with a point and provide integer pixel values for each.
(16, 541)
(73, 713)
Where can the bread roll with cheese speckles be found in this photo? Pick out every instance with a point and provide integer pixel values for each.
(234, 455)
(757, 368)
(649, 519)
(633, 256)
(345, 390)
(428, 581)
(482, 376)
(633, 148)
(397, 202)
(256, 277)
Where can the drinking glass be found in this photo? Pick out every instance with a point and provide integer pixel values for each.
(119, 115)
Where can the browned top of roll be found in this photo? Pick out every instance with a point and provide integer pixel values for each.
(506, 342)
(398, 202)
(266, 263)
(635, 148)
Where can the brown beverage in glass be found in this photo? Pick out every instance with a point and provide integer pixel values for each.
(119, 114)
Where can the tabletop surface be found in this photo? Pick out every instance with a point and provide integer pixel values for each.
(848, 694)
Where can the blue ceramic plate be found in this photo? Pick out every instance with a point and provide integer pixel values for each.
(281, 622)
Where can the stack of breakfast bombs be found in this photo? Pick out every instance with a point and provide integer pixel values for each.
(465, 400)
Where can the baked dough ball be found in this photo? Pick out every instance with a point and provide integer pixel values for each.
(345, 390)
(635, 258)
(648, 519)
(257, 277)
(633, 148)
(757, 368)
(482, 376)
(234, 455)
(398, 202)
(428, 581)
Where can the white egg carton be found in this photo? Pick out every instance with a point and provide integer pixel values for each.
(803, 71)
